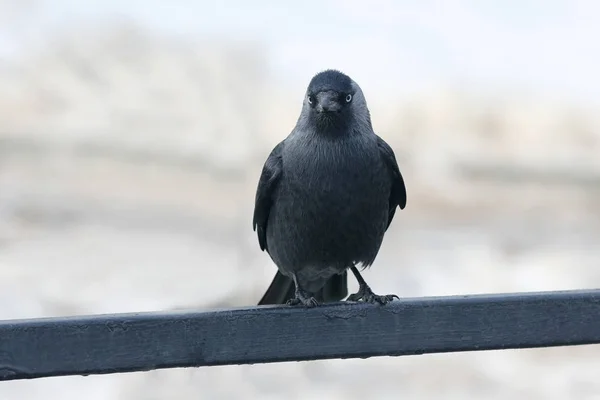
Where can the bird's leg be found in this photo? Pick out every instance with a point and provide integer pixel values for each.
(302, 296)
(365, 293)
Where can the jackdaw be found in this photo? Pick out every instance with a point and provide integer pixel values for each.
(326, 196)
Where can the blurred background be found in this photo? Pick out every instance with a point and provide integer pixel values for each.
(132, 135)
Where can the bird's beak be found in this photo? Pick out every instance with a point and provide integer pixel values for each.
(328, 101)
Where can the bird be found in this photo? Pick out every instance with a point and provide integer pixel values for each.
(326, 196)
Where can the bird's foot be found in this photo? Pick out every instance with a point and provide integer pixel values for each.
(366, 294)
(303, 298)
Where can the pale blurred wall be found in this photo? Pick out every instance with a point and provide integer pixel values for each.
(132, 135)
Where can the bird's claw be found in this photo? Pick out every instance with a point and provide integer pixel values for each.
(303, 299)
(366, 295)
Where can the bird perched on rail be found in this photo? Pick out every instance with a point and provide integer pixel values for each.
(326, 196)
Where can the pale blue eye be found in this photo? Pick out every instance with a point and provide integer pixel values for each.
(348, 98)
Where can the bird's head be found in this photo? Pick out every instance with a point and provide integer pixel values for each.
(334, 101)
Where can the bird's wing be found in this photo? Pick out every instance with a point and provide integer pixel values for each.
(398, 193)
(269, 179)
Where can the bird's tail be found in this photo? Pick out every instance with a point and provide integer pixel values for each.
(283, 289)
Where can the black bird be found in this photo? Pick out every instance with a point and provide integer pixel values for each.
(326, 196)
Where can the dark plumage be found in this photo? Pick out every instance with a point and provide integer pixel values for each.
(326, 196)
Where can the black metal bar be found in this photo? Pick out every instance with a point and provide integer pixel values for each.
(104, 344)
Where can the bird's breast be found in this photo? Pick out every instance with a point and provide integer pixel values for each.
(331, 206)
(336, 186)
(325, 168)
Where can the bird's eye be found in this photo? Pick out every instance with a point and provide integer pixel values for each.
(348, 98)
(310, 99)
